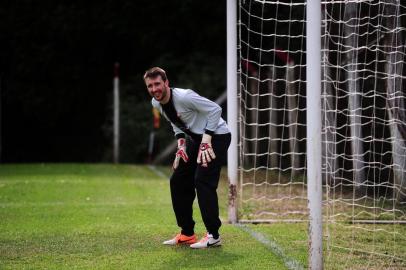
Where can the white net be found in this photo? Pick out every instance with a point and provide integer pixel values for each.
(363, 123)
(272, 110)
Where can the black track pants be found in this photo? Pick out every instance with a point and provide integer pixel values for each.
(191, 178)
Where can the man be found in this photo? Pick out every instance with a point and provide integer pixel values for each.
(203, 139)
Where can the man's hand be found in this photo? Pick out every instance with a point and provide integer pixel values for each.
(206, 153)
(181, 153)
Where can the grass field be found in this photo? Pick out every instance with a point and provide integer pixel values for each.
(77, 216)
(100, 216)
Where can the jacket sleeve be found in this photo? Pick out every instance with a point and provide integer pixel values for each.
(210, 109)
(178, 132)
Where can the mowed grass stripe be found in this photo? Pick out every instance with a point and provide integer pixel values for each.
(101, 216)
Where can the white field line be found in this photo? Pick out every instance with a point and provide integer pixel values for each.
(273, 246)
(157, 172)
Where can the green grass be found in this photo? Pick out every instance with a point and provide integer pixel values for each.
(101, 216)
(77, 216)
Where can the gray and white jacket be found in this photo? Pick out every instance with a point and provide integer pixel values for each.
(199, 114)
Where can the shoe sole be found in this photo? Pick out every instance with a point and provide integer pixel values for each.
(180, 244)
(212, 246)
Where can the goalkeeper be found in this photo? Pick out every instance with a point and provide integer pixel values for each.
(203, 139)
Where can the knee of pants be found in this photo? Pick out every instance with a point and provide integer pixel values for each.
(210, 181)
(182, 184)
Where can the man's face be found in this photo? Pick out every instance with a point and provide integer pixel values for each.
(157, 88)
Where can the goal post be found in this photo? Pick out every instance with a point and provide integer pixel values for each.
(232, 158)
(313, 132)
(319, 117)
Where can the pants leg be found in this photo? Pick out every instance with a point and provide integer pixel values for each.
(206, 181)
(183, 190)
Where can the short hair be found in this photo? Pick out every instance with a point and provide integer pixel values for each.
(155, 72)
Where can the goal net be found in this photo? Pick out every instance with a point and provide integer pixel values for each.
(363, 123)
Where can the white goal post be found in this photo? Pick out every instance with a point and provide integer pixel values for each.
(313, 133)
(232, 155)
(317, 108)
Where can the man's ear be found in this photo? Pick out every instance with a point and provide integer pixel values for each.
(167, 83)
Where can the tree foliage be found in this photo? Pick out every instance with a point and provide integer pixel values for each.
(56, 70)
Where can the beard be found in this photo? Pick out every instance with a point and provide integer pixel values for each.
(160, 95)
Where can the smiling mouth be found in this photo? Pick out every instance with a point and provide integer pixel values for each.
(158, 96)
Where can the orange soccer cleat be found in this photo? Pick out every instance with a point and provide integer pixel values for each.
(181, 239)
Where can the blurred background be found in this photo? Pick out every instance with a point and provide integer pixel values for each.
(56, 73)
